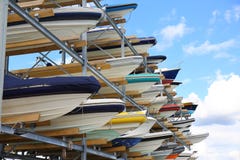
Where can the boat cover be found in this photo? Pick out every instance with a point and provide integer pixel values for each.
(15, 87)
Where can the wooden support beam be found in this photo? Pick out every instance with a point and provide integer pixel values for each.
(42, 146)
(173, 129)
(52, 3)
(188, 142)
(39, 14)
(39, 45)
(141, 68)
(115, 149)
(141, 103)
(48, 3)
(134, 154)
(168, 124)
(117, 81)
(54, 70)
(32, 117)
(31, 4)
(117, 21)
(56, 133)
(142, 158)
(133, 94)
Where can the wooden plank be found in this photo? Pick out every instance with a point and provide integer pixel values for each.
(133, 94)
(54, 70)
(31, 117)
(142, 103)
(56, 133)
(31, 43)
(48, 3)
(43, 146)
(39, 13)
(168, 124)
(115, 149)
(79, 44)
(37, 124)
(117, 81)
(49, 47)
(93, 142)
(60, 132)
(34, 46)
(173, 129)
(134, 154)
(31, 4)
(51, 4)
(116, 21)
(142, 158)
(141, 68)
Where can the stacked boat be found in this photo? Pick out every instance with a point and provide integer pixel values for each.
(55, 98)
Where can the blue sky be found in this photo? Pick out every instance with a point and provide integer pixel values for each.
(203, 39)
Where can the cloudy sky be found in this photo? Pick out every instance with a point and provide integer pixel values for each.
(202, 38)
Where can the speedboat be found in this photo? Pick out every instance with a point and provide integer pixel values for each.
(90, 115)
(66, 22)
(50, 97)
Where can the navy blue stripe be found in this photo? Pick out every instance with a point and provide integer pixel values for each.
(98, 109)
(156, 57)
(66, 16)
(128, 142)
(121, 7)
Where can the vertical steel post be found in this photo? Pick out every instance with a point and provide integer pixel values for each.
(122, 44)
(84, 48)
(3, 31)
(84, 152)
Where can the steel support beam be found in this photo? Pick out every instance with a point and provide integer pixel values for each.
(65, 48)
(3, 31)
(33, 136)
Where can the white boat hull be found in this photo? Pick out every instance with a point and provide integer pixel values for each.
(60, 28)
(146, 147)
(120, 67)
(85, 122)
(48, 106)
(116, 52)
(196, 138)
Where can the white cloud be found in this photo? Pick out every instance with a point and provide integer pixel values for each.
(215, 15)
(222, 99)
(222, 143)
(232, 15)
(208, 47)
(219, 114)
(236, 10)
(170, 33)
(228, 16)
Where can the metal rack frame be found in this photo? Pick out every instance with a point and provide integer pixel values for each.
(73, 54)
